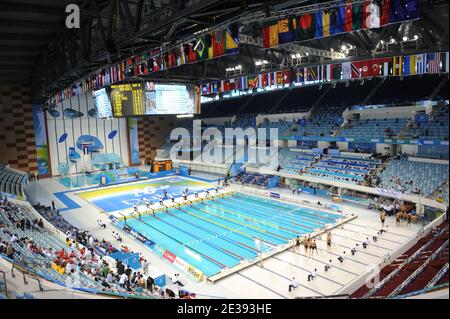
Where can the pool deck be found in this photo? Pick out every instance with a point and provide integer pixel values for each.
(271, 279)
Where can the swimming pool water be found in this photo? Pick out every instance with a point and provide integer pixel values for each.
(220, 233)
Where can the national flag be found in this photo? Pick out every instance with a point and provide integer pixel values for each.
(270, 35)
(357, 16)
(409, 65)
(326, 19)
(218, 43)
(262, 80)
(434, 60)
(387, 67)
(232, 39)
(200, 49)
(215, 87)
(306, 26)
(279, 77)
(371, 15)
(398, 66)
(299, 76)
(242, 83)
(359, 69)
(421, 65)
(252, 81)
(348, 16)
(404, 10)
(286, 30)
(287, 76)
(444, 62)
(346, 70)
(232, 84)
(272, 78)
(205, 89)
(311, 73)
(224, 86)
(320, 71)
(319, 24)
(385, 12)
(337, 17)
(377, 66)
(332, 72)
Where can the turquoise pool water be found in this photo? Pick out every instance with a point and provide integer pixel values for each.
(220, 233)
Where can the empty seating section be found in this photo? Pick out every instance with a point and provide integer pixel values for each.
(299, 99)
(413, 177)
(432, 151)
(12, 181)
(282, 126)
(263, 101)
(295, 162)
(349, 94)
(226, 107)
(405, 90)
(342, 168)
(375, 128)
(253, 179)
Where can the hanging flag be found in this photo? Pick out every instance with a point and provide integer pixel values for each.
(319, 24)
(306, 27)
(218, 40)
(421, 65)
(270, 35)
(398, 66)
(311, 74)
(286, 30)
(329, 72)
(385, 12)
(252, 81)
(287, 76)
(326, 19)
(346, 70)
(337, 17)
(232, 39)
(262, 80)
(404, 10)
(434, 60)
(279, 77)
(337, 71)
(215, 87)
(357, 16)
(371, 15)
(200, 49)
(299, 76)
(444, 62)
(348, 16)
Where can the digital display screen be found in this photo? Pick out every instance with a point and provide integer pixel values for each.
(102, 103)
(171, 99)
(127, 99)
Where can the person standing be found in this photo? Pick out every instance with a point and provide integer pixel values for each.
(329, 239)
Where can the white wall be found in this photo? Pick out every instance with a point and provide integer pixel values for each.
(322, 144)
(388, 112)
(385, 149)
(409, 149)
(343, 146)
(84, 125)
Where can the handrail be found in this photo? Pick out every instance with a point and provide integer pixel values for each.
(418, 270)
(438, 276)
(4, 283)
(400, 267)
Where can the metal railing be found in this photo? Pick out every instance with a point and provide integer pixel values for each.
(419, 270)
(438, 277)
(402, 265)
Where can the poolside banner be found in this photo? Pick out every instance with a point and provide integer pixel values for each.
(133, 141)
(183, 265)
(40, 135)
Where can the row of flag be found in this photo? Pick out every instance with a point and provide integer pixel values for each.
(208, 46)
(426, 63)
(348, 16)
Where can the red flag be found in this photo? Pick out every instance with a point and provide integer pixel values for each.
(348, 24)
(287, 76)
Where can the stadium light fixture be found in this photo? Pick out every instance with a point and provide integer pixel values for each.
(183, 116)
(405, 38)
(416, 37)
(343, 47)
(392, 40)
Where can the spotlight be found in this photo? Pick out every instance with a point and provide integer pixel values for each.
(392, 40)
(343, 47)
(416, 37)
(405, 38)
